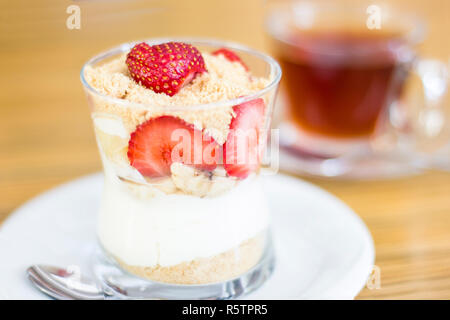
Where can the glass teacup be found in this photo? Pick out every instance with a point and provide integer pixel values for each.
(352, 106)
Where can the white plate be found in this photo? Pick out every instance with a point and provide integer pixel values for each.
(324, 251)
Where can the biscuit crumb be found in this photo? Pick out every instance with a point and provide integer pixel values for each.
(221, 267)
(224, 81)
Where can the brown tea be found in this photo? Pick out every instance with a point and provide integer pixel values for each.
(339, 83)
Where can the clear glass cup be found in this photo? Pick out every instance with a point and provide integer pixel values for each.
(357, 100)
(189, 233)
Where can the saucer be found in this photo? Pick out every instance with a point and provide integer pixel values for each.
(323, 249)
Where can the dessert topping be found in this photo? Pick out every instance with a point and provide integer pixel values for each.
(165, 68)
(230, 56)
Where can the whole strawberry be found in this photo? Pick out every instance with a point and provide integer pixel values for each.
(165, 68)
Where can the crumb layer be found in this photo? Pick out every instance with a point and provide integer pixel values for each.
(222, 267)
(224, 81)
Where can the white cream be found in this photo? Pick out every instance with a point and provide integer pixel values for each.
(111, 126)
(166, 230)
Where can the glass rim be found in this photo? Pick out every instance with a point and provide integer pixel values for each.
(413, 36)
(275, 72)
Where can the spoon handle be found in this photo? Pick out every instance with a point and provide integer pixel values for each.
(58, 290)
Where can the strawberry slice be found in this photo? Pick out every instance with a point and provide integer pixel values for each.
(230, 56)
(165, 68)
(241, 152)
(158, 142)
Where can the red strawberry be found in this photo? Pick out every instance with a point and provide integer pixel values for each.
(158, 142)
(241, 152)
(164, 67)
(230, 56)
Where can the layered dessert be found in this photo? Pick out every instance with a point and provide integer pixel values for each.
(181, 147)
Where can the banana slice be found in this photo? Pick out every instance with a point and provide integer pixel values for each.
(198, 183)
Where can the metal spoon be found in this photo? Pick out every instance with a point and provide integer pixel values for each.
(61, 284)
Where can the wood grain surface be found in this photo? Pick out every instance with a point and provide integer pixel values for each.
(46, 137)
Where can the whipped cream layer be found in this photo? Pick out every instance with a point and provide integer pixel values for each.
(166, 230)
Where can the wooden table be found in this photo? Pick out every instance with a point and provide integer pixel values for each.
(46, 136)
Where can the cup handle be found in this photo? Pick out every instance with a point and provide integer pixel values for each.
(428, 127)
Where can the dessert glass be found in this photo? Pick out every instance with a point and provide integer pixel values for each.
(191, 234)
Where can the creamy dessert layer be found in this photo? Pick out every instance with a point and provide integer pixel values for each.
(166, 230)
